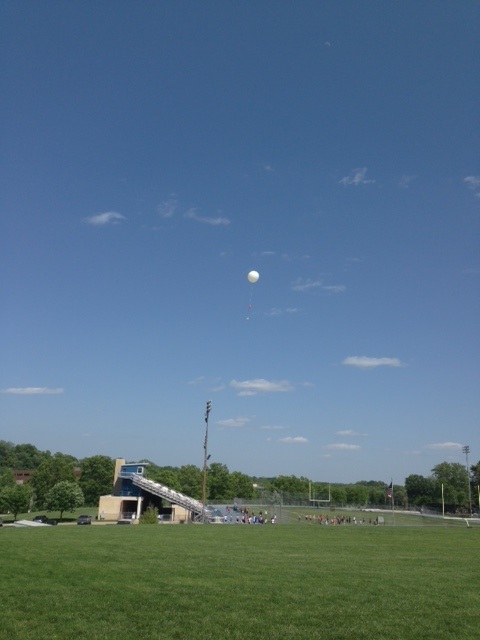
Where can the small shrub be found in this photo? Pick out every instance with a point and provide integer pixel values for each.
(149, 516)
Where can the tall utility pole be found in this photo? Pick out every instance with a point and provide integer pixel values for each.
(205, 460)
(466, 451)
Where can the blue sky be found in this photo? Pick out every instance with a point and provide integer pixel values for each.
(155, 152)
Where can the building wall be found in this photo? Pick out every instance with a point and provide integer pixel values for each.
(113, 507)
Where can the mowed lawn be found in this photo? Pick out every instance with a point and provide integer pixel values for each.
(240, 581)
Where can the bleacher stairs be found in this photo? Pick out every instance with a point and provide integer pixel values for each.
(175, 497)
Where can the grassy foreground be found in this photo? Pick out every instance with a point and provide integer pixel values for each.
(216, 582)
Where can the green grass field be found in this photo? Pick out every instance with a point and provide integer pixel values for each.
(216, 582)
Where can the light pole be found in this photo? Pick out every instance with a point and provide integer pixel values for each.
(205, 459)
(466, 451)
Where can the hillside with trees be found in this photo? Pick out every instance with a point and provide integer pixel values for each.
(57, 475)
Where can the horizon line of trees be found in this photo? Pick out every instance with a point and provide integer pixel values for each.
(96, 479)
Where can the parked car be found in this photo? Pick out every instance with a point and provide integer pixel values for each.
(84, 520)
(44, 520)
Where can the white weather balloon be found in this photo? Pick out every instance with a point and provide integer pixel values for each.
(253, 276)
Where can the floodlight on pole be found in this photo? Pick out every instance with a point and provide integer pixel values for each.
(466, 451)
(206, 457)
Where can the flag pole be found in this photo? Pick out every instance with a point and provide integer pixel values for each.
(393, 505)
(390, 495)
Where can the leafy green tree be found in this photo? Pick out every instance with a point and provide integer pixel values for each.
(420, 490)
(64, 496)
(338, 493)
(241, 485)
(475, 474)
(290, 484)
(6, 452)
(52, 470)
(190, 478)
(218, 482)
(97, 478)
(320, 491)
(454, 478)
(400, 495)
(377, 494)
(26, 456)
(6, 479)
(15, 499)
(357, 494)
(167, 476)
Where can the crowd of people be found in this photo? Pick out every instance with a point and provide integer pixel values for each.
(245, 517)
(336, 520)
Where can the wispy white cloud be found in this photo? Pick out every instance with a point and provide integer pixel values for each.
(269, 168)
(214, 222)
(308, 285)
(350, 433)
(342, 446)
(32, 391)
(445, 446)
(260, 385)
(363, 362)
(109, 217)
(405, 181)
(167, 208)
(275, 311)
(293, 440)
(356, 178)
(234, 423)
(473, 182)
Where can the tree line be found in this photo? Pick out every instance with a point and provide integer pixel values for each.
(61, 482)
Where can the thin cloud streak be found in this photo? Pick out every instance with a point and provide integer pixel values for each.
(214, 222)
(310, 285)
(472, 181)
(260, 385)
(342, 446)
(356, 178)
(31, 391)
(109, 217)
(445, 446)
(275, 312)
(364, 362)
(293, 440)
(234, 423)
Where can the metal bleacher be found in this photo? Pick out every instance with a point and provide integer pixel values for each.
(175, 497)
